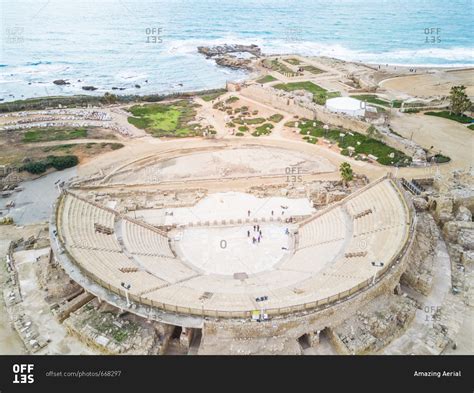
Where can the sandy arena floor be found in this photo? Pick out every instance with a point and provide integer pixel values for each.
(428, 85)
(237, 162)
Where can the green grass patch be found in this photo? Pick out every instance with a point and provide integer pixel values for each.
(243, 128)
(60, 147)
(372, 99)
(166, 120)
(68, 147)
(239, 134)
(264, 129)
(231, 99)
(256, 120)
(293, 61)
(451, 116)
(53, 134)
(361, 143)
(212, 96)
(320, 95)
(312, 69)
(277, 66)
(266, 79)
(276, 118)
(471, 127)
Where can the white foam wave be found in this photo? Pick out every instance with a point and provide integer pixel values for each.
(456, 56)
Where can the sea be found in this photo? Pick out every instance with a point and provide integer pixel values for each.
(150, 46)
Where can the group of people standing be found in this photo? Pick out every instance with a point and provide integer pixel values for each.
(257, 234)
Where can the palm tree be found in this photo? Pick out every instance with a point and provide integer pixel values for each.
(459, 100)
(346, 173)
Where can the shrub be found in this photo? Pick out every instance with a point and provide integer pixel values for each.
(276, 118)
(231, 99)
(57, 162)
(35, 167)
(62, 162)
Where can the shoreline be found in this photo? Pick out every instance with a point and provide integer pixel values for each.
(254, 73)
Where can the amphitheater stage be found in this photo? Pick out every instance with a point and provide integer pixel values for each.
(232, 250)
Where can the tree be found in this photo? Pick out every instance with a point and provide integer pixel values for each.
(346, 172)
(372, 132)
(109, 98)
(459, 101)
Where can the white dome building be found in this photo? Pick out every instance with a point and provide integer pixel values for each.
(346, 105)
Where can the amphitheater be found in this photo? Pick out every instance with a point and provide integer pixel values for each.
(169, 267)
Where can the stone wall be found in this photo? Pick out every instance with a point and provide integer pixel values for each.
(419, 274)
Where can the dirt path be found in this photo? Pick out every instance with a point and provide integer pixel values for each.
(446, 136)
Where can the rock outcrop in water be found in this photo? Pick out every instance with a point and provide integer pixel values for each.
(61, 82)
(223, 55)
(220, 50)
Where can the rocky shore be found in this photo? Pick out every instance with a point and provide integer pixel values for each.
(224, 55)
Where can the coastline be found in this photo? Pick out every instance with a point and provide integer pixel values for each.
(252, 73)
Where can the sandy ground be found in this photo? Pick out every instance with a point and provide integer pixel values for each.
(433, 84)
(228, 163)
(448, 137)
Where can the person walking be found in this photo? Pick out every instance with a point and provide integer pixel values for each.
(248, 233)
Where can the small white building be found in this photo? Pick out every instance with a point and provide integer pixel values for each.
(346, 105)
